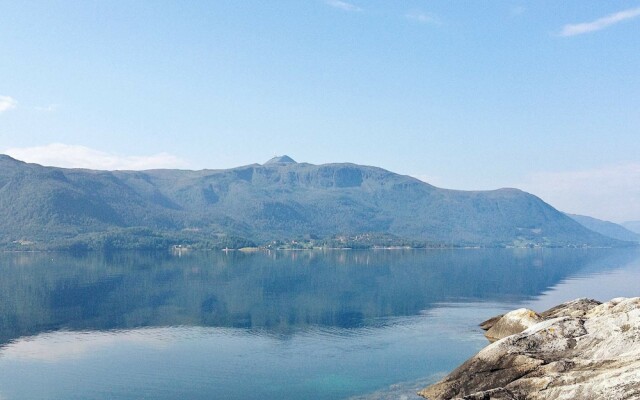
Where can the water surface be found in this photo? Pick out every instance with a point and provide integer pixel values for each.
(325, 325)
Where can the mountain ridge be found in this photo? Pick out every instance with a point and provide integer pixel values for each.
(633, 226)
(607, 228)
(51, 207)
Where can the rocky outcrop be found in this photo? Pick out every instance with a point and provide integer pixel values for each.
(579, 350)
(510, 323)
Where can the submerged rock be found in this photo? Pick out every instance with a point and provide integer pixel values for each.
(578, 350)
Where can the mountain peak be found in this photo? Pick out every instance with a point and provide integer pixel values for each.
(281, 160)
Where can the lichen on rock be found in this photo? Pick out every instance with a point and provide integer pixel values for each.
(578, 350)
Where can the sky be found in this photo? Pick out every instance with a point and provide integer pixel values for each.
(543, 96)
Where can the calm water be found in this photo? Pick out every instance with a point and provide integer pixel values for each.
(321, 325)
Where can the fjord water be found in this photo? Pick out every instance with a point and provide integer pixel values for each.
(313, 324)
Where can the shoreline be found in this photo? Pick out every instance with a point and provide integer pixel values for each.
(581, 350)
(264, 249)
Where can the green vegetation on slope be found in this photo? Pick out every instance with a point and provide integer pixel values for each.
(46, 207)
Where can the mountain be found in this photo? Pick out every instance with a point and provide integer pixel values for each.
(633, 226)
(281, 160)
(49, 207)
(606, 228)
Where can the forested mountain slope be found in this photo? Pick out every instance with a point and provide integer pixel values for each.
(48, 207)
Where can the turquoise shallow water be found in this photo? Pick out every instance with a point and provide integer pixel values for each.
(322, 325)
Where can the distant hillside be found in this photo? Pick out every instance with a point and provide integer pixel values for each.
(633, 226)
(606, 228)
(47, 207)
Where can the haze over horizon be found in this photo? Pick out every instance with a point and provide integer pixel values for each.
(539, 96)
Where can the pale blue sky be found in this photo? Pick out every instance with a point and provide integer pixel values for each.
(540, 95)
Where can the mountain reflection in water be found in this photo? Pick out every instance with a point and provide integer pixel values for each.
(321, 324)
(279, 292)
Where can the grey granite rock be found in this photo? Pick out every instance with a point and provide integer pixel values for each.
(580, 350)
